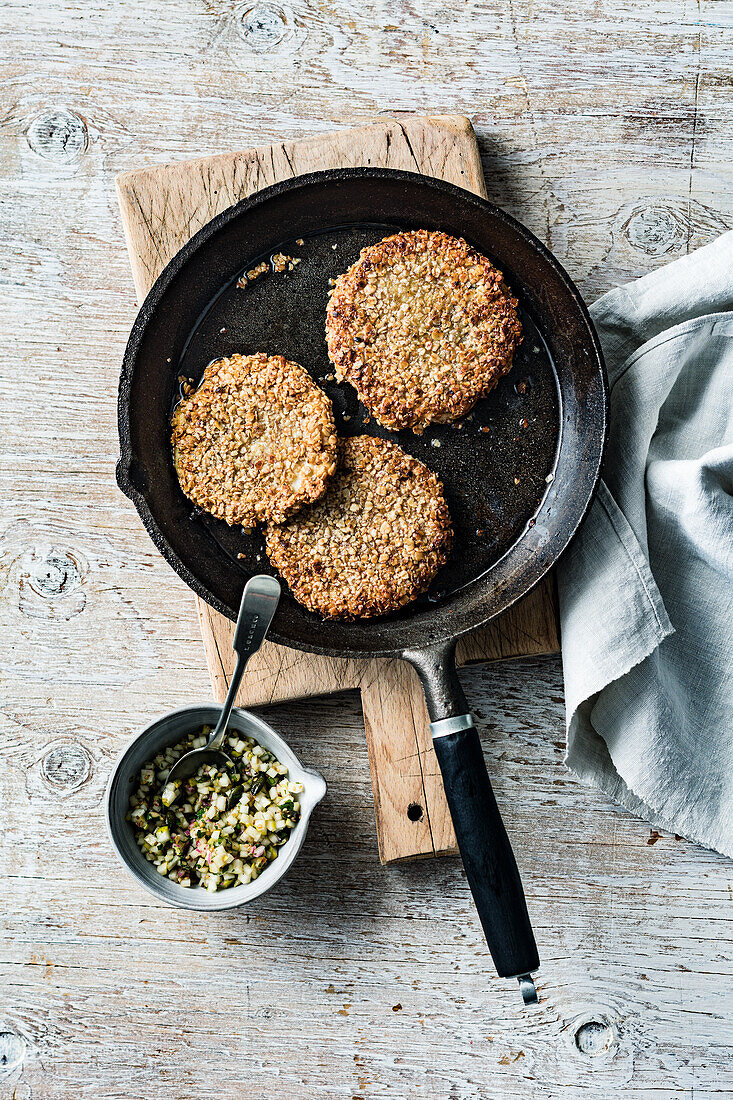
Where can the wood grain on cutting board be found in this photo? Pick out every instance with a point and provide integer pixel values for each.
(162, 207)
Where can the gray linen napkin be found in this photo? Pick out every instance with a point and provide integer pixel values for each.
(646, 589)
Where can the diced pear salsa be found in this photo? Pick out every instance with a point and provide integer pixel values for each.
(222, 826)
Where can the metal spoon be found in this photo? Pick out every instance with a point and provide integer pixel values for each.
(259, 602)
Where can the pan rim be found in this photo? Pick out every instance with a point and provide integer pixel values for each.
(245, 206)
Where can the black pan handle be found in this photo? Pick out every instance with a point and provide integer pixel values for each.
(487, 855)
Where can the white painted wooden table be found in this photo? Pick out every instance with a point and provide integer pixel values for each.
(606, 127)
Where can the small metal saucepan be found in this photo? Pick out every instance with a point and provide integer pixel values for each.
(519, 472)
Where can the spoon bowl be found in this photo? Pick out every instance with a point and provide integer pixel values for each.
(190, 763)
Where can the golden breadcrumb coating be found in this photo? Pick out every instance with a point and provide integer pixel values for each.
(255, 441)
(375, 540)
(422, 326)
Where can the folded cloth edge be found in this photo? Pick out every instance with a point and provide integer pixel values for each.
(593, 766)
(650, 631)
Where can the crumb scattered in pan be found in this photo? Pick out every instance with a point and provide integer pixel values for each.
(186, 385)
(300, 242)
(253, 273)
(422, 326)
(281, 262)
(373, 542)
(255, 441)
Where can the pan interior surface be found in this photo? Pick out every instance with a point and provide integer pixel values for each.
(519, 472)
(494, 464)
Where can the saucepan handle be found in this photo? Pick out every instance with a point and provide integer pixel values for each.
(487, 855)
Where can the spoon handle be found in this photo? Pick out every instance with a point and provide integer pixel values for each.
(259, 602)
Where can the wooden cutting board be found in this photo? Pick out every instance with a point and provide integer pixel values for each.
(162, 207)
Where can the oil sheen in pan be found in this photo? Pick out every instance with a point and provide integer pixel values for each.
(494, 464)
